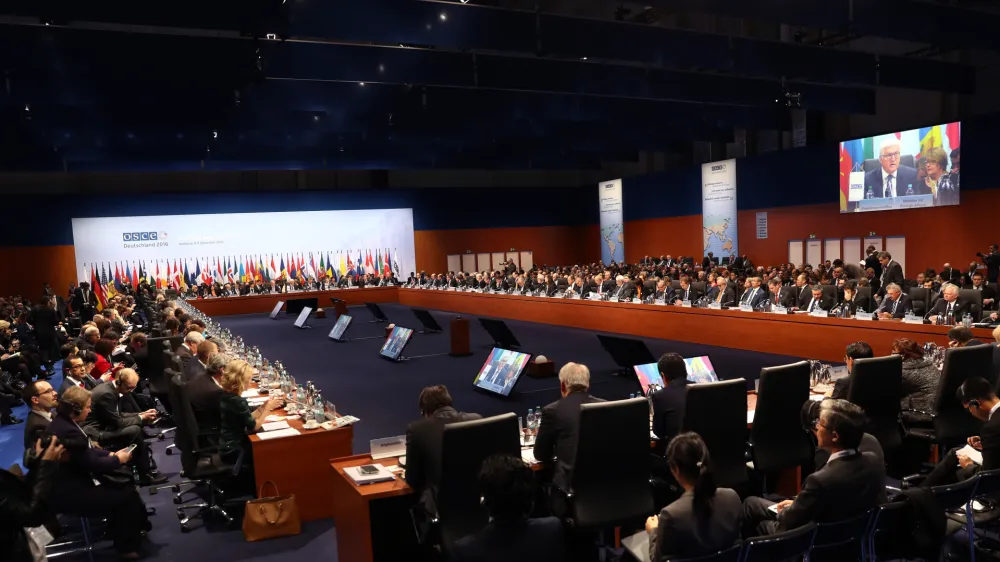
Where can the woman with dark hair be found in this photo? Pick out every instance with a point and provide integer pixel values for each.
(102, 365)
(920, 376)
(705, 518)
(171, 327)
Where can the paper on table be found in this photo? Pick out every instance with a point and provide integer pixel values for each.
(252, 393)
(394, 468)
(750, 415)
(976, 456)
(816, 397)
(528, 456)
(279, 433)
(274, 418)
(274, 426)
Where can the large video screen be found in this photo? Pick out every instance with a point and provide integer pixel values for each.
(501, 371)
(902, 170)
(394, 344)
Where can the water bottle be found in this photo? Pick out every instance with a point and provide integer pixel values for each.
(967, 320)
(631, 396)
(538, 418)
(909, 189)
(531, 419)
(870, 193)
(520, 429)
(318, 412)
(950, 319)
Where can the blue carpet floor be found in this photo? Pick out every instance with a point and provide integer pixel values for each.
(384, 396)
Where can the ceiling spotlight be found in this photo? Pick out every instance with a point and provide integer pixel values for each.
(315, 117)
(215, 134)
(271, 36)
(381, 68)
(361, 83)
(465, 1)
(583, 58)
(443, 16)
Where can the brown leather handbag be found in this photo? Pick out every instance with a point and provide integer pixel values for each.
(271, 517)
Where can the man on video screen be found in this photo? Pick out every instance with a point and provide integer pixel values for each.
(892, 179)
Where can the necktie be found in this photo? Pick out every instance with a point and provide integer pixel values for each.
(686, 294)
(950, 305)
(812, 305)
(894, 304)
(888, 185)
(719, 298)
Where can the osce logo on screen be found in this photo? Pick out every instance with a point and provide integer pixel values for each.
(142, 236)
(719, 168)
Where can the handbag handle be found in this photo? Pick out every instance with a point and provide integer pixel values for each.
(260, 492)
(263, 513)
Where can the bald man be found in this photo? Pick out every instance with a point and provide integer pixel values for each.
(114, 427)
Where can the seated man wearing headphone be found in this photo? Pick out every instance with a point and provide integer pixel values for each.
(979, 399)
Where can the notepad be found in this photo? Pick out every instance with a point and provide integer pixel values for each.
(288, 432)
(274, 426)
(750, 414)
(383, 475)
(528, 456)
(974, 455)
(274, 418)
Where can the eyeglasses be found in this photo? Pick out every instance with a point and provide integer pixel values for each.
(890, 155)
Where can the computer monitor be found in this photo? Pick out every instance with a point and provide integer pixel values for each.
(394, 344)
(300, 322)
(649, 376)
(277, 309)
(337, 333)
(501, 371)
(700, 369)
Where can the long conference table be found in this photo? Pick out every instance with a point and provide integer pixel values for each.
(798, 335)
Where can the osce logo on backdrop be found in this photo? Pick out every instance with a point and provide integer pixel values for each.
(719, 168)
(142, 236)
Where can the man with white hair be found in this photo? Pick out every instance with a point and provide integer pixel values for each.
(557, 432)
(891, 179)
(189, 349)
(88, 338)
(895, 304)
(948, 306)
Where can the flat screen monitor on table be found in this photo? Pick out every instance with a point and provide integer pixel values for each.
(699, 369)
(394, 344)
(501, 371)
(337, 333)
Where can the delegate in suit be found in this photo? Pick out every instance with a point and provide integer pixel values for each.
(978, 398)
(557, 433)
(891, 179)
(895, 304)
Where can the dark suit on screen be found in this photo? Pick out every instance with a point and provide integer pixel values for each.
(903, 176)
(557, 434)
(423, 453)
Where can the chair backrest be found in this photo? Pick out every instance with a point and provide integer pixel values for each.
(842, 533)
(777, 435)
(975, 298)
(780, 547)
(921, 299)
(960, 363)
(731, 554)
(612, 493)
(175, 342)
(867, 292)
(876, 385)
(464, 447)
(186, 436)
(717, 412)
(830, 291)
(675, 284)
(988, 484)
(155, 364)
(955, 495)
(700, 287)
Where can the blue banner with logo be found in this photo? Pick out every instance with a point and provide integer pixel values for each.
(612, 221)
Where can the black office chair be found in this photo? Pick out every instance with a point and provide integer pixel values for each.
(952, 422)
(202, 464)
(464, 447)
(975, 298)
(867, 292)
(699, 287)
(889, 524)
(837, 541)
(960, 496)
(777, 440)
(675, 284)
(606, 494)
(830, 291)
(780, 547)
(920, 297)
(717, 412)
(731, 554)
(876, 387)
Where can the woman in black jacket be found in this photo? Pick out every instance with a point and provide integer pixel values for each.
(24, 505)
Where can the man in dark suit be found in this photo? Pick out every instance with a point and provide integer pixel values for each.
(848, 473)
(87, 339)
(423, 445)
(669, 401)
(85, 301)
(557, 432)
(205, 391)
(853, 301)
(723, 294)
(895, 304)
(989, 295)
(507, 494)
(892, 272)
(607, 284)
(891, 179)
(686, 292)
(44, 318)
(196, 367)
(75, 375)
(779, 295)
(755, 294)
(41, 398)
(187, 350)
(979, 399)
(624, 289)
(871, 261)
(111, 425)
(948, 306)
(856, 350)
(818, 300)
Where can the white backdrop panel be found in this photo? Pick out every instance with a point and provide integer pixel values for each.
(187, 237)
(795, 252)
(498, 258)
(454, 262)
(896, 245)
(527, 260)
(482, 262)
(831, 249)
(814, 252)
(852, 250)
(468, 262)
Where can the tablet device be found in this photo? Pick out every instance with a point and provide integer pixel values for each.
(394, 344)
(501, 371)
(700, 369)
(337, 333)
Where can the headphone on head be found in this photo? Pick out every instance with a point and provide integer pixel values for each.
(974, 403)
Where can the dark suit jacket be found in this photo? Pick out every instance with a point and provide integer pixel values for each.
(205, 397)
(892, 274)
(757, 298)
(534, 540)
(44, 319)
(557, 435)
(728, 297)
(608, 285)
(679, 534)
(787, 297)
(668, 411)
(987, 293)
(106, 412)
(88, 383)
(904, 177)
(423, 453)
(825, 302)
(876, 266)
(84, 461)
(693, 294)
(905, 305)
(802, 296)
(184, 352)
(193, 370)
(859, 302)
(625, 292)
(859, 478)
(941, 307)
(141, 358)
(34, 426)
(78, 298)
(990, 438)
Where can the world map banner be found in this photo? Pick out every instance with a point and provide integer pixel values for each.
(609, 195)
(718, 208)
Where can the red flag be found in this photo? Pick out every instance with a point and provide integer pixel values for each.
(102, 299)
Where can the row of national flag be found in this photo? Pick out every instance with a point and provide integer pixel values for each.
(108, 278)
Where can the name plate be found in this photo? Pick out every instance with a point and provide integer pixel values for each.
(613, 299)
(636, 301)
(746, 308)
(452, 288)
(913, 320)
(594, 296)
(659, 302)
(779, 310)
(715, 306)
(864, 315)
(686, 304)
(819, 314)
